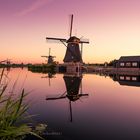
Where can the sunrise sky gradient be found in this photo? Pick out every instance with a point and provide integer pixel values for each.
(112, 26)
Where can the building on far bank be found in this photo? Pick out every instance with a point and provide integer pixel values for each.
(131, 62)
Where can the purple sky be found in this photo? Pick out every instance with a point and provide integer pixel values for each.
(111, 25)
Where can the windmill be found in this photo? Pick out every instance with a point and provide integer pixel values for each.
(49, 57)
(73, 52)
(72, 92)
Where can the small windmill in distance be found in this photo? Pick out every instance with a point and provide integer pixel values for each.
(49, 57)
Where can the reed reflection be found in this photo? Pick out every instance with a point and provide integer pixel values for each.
(73, 91)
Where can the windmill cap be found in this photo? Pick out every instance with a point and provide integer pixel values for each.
(73, 39)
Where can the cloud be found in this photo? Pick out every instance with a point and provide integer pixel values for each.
(33, 7)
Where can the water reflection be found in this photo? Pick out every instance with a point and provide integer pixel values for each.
(49, 76)
(127, 79)
(111, 111)
(73, 91)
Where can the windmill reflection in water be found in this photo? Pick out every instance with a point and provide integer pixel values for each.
(73, 91)
(49, 76)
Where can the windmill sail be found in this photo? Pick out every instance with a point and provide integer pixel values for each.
(71, 25)
(84, 40)
(55, 40)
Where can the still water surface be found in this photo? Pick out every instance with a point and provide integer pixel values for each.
(103, 109)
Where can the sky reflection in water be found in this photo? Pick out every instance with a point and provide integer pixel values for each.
(107, 111)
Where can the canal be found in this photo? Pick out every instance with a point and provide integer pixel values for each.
(87, 106)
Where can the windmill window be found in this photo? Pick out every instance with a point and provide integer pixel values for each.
(134, 64)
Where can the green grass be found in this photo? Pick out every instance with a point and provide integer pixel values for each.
(12, 113)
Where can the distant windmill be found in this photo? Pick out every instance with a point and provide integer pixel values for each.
(73, 53)
(49, 57)
(72, 92)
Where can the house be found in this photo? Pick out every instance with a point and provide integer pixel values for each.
(129, 62)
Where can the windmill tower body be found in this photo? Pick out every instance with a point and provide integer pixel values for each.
(73, 53)
(72, 86)
(73, 59)
(50, 59)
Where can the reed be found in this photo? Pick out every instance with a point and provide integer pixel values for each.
(12, 113)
